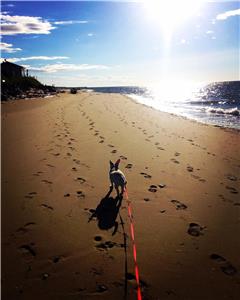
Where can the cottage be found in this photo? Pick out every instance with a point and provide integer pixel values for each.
(9, 69)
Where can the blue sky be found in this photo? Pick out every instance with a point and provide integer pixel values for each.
(121, 43)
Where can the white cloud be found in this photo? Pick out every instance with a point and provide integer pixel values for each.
(210, 32)
(90, 34)
(5, 47)
(227, 14)
(86, 80)
(69, 22)
(16, 59)
(12, 25)
(53, 68)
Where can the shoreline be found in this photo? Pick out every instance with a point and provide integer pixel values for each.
(65, 239)
(231, 129)
(185, 117)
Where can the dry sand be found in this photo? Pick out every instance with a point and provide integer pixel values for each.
(55, 164)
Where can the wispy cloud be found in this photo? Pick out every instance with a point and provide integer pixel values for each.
(12, 25)
(210, 32)
(90, 34)
(70, 22)
(17, 59)
(53, 68)
(8, 48)
(227, 14)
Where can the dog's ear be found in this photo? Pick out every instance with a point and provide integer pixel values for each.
(111, 164)
(117, 164)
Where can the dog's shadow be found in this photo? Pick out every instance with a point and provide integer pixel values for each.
(107, 211)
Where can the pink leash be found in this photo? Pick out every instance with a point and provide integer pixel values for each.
(139, 295)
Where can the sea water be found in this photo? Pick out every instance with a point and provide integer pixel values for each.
(216, 103)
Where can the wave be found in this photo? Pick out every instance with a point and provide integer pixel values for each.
(221, 111)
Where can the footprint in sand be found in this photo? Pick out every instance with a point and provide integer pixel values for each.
(55, 154)
(47, 181)
(152, 188)
(77, 161)
(25, 229)
(232, 189)
(132, 277)
(97, 238)
(30, 195)
(177, 153)
(111, 146)
(145, 175)
(146, 199)
(198, 178)
(123, 157)
(195, 229)
(67, 195)
(162, 185)
(28, 250)
(37, 174)
(231, 177)
(81, 180)
(44, 276)
(49, 165)
(56, 259)
(128, 166)
(190, 169)
(80, 194)
(114, 151)
(174, 160)
(108, 245)
(179, 205)
(101, 288)
(226, 267)
(47, 206)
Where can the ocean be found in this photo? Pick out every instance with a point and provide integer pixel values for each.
(216, 103)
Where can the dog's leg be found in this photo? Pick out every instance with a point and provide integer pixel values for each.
(117, 190)
(122, 190)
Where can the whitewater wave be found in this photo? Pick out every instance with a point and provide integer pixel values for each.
(221, 111)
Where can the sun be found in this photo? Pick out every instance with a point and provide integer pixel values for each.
(166, 15)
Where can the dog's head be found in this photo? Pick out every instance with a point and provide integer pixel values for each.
(114, 167)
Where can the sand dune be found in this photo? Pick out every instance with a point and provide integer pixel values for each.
(63, 237)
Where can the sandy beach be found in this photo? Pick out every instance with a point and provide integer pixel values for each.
(63, 239)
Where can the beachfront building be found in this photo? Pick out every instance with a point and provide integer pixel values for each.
(9, 69)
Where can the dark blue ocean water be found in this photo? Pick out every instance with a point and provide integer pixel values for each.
(216, 103)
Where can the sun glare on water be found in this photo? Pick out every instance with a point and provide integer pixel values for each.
(166, 15)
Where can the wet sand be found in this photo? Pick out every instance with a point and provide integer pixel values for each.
(63, 239)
